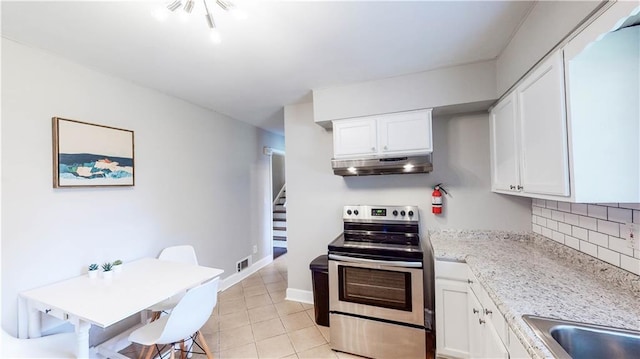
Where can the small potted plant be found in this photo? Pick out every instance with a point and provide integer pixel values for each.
(117, 266)
(107, 270)
(93, 270)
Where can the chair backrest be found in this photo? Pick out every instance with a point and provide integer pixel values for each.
(182, 254)
(191, 313)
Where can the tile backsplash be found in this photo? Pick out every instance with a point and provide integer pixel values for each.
(595, 229)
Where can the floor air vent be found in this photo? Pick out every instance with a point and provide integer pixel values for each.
(243, 264)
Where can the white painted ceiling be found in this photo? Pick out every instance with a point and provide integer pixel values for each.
(275, 57)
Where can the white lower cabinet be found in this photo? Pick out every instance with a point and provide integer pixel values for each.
(486, 340)
(516, 349)
(452, 318)
(476, 327)
(493, 346)
(468, 323)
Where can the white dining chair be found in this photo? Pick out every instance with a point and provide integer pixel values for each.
(51, 346)
(183, 323)
(182, 254)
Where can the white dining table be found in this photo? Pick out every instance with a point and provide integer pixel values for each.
(85, 301)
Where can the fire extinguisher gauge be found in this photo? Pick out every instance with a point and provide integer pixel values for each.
(439, 187)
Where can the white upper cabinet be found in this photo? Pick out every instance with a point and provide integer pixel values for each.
(543, 130)
(505, 162)
(576, 119)
(528, 135)
(405, 132)
(354, 137)
(402, 133)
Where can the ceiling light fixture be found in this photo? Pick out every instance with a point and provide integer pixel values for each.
(188, 8)
(215, 35)
(174, 5)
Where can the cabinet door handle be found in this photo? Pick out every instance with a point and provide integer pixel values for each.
(386, 148)
(373, 148)
(487, 312)
(520, 187)
(512, 187)
(475, 311)
(481, 321)
(469, 281)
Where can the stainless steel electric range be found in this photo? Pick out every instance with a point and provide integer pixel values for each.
(381, 284)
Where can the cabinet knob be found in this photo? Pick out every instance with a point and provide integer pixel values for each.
(386, 148)
(475, 311)
(373, 148)
(487, 312)
(481, 321)
(512, 187)
(520, 187)
(469, 281)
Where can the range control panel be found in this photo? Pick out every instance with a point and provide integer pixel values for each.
(381, 213)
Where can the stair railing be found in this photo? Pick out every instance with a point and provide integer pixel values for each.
(275, 201)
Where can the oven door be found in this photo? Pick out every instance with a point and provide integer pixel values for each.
(378, 289)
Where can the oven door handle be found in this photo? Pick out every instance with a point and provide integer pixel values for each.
(403, 264)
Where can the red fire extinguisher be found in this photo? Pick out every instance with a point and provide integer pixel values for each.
(436, 199)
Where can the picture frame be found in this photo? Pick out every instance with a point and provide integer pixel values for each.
(91, 155)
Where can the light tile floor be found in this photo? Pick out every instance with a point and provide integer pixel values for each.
(253, 320)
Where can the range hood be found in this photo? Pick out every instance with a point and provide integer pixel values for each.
(382, 165)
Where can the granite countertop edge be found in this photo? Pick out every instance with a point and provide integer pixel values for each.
(464, 246)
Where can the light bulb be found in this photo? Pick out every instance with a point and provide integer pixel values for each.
(188, 7)
(161, 13)
(215, 36)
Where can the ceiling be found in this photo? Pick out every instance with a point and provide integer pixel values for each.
(275, 57)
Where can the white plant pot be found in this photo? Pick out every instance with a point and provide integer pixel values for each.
(107, 275)
(92, 274)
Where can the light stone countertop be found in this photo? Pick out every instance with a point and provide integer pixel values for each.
(529, 274)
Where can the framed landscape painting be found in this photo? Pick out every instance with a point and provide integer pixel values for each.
(89, 155)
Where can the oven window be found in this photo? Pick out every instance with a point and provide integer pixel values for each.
(380, 288)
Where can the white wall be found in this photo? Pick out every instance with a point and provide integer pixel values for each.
(316, 196)
(447, 86)
(201, 178)
(545, 26)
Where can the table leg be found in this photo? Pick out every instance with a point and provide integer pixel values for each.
(82, 334)
(35, 330)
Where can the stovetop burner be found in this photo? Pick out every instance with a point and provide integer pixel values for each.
(379, 232)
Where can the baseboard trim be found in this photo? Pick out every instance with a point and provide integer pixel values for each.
(298, 295)
(238, 277)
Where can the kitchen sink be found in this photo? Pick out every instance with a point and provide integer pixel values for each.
(566, 339)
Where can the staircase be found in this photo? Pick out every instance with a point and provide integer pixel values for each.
(280, 219)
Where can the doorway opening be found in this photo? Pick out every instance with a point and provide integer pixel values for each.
(279, 208)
